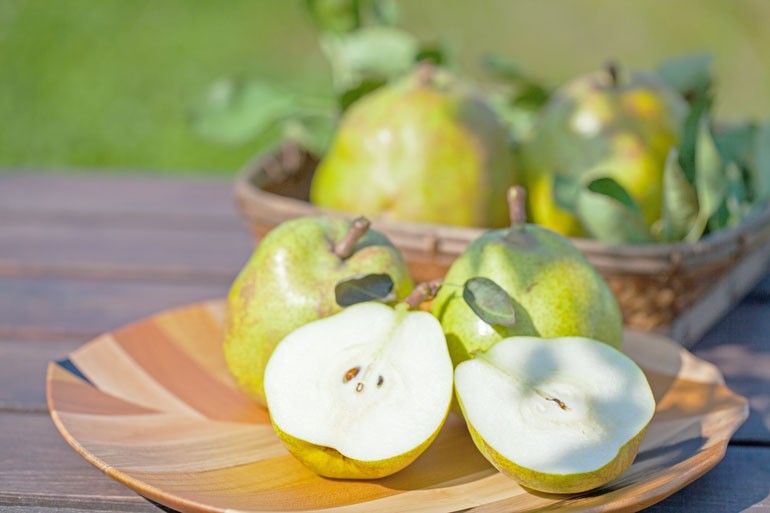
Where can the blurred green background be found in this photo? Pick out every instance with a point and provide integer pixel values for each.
(112, 83)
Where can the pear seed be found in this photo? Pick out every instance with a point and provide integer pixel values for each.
(380, 381)
(359, 387)
(350, 374)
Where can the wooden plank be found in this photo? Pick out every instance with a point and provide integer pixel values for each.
(67, 247)
(40, 469)
(738, 345)
(740, 482)
(110, 194)
(34, 308)
(22, 372)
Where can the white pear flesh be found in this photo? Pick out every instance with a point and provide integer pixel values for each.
(561, 415)
(362, 393)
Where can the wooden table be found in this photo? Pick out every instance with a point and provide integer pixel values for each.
(83, 254)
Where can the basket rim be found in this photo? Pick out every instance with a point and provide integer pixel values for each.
(728, 243)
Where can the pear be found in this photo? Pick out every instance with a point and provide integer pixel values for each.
(290, 280)
(559, 416)
(427, 148)
(554, 290)
(360, 394)
(604, 124)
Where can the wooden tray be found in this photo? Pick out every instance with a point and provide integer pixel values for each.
(676, 289)
(153, 406)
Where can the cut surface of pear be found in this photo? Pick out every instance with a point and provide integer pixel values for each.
(362, 393)
(561, 415)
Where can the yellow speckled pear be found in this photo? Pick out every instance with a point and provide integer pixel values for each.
(289, 281)
(427, 148)
(555, 291)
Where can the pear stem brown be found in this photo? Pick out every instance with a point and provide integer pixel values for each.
(425, 72)
(517, 205)
(345, 247)
(614, 73)
(423, 292)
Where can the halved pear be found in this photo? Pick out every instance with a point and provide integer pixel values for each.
(363, 393)
(561, 415)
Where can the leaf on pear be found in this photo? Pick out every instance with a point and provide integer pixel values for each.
(234, 113)
(680, 202)
(736, 143)
(710, 179)
(384, 12)
(690, 136)
(691, 74)
(434, 53)
(609, 214)
(369, 287)
(338, 16)
(761, 169)
(528, 92)
(565, 192)
(736, 202)
(313, 133)
(489, 302)
(375, 53)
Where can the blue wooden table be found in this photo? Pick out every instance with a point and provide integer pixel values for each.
(83, 254)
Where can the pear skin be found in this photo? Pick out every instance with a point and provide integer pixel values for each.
(289, 281)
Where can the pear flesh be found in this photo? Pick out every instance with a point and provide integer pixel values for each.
(559, 415)
(362, 393)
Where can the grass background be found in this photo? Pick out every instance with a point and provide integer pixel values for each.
(110, 84)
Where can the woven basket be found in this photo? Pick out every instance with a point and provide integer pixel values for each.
(678, 289)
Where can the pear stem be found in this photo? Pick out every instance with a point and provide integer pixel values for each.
(422, 292)
(614, 72)
(358, 228)
(517, 198)
(425, 72)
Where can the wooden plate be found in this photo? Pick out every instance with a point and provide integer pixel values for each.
(153, 406)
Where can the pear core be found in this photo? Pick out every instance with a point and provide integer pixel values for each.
(558, 415)
(371, 384)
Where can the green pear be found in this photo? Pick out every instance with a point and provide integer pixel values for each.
(555, 291)
(604, 124)
(559, 415)
(362, 393)
(427, 148)
(290, 280)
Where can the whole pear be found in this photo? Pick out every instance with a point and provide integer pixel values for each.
(555, 290)
(606, 123)
(427, 148)
(290, 281)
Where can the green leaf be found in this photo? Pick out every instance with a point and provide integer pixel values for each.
(337, 16)
(313, 133)
(736, 144)
(609, 214)
(710, 179)
(384, 12)
(433, 53)
(680, 201)
(235, 113)
(489, 302)
(761, 171)
(566, 192)
(736, 202)
(369, 287)
(350, 96)
(690, 74)
(370, 53)
(690, 136)
(528, 92)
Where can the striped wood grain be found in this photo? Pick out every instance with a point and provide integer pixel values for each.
(153, 406)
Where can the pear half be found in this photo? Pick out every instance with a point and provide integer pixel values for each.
(363, 393)
(561, 415)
